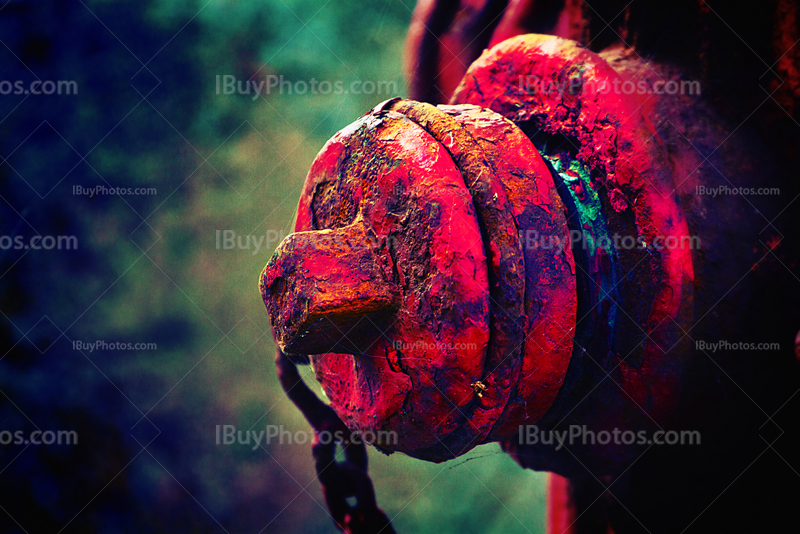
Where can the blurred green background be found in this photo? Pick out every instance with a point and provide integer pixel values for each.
(152, 269)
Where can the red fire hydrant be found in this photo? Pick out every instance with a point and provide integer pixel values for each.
(461, 272)
(433, 275)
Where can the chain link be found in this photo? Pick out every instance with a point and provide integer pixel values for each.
(346, 485)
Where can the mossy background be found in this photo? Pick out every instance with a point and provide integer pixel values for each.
(148, 269)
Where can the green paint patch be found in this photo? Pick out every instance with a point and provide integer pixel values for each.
(593, 229)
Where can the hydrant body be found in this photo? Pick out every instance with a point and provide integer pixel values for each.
(446, 272)
(544, 255)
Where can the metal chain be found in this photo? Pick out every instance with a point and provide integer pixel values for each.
(343, 480)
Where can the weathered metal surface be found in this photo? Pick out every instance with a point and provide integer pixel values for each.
(413, 371)
(559, 90)
(409, 283)
(630, 312)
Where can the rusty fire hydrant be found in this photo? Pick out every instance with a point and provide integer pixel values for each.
(441, 258)
(536, 255)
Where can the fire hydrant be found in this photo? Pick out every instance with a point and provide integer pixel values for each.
(459, 273)
(439, 255)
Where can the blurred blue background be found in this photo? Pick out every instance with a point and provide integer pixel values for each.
(151, 112)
